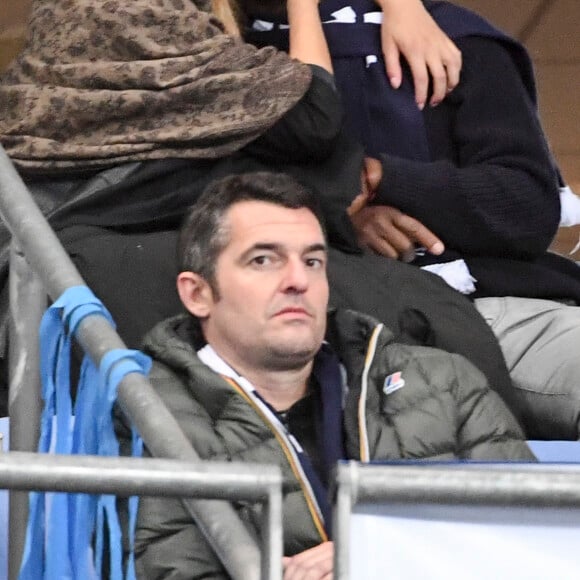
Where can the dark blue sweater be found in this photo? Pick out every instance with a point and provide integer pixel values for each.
(476, 169)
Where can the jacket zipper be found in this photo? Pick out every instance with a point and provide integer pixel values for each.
(362, 424)
(288, 448)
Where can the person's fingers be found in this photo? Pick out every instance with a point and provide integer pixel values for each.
(419, 233)
(420, 80)
(453, 62)
(362, 199)
(439, 82)
(373, 173)
(357, 204)
(409, 31)
(376, 231)
(314, 564)
(371, 239)
(391, 233)
(402, 244)
(392, 58)
(382, 247)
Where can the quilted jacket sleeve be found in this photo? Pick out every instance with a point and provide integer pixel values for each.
(486, 428)
(169, 546)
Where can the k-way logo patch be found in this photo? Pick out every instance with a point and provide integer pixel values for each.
(393, 383)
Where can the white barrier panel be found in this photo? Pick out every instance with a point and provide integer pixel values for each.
(427, 542)
(447, 521)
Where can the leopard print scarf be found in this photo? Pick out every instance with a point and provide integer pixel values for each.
(102, 82)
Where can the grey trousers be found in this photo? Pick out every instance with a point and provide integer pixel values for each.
(540, 340)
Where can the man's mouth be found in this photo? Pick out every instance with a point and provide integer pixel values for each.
(293, 310)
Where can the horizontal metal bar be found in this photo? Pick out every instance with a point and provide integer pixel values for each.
(493, 485)
(138, 476)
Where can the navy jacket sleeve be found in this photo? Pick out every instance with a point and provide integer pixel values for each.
(492, 188)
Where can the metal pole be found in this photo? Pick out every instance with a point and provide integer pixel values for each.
(536, 486)
(126, 476)
(219, 522)
(504, 485)
(346, 478)
(272, 540)
(27, 305)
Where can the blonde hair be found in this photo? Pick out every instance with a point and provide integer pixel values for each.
(228, 13)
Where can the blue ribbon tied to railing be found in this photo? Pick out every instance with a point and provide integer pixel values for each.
(65, 536)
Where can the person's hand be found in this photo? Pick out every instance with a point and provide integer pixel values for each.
(409, 30)
(389, 232)
(371, 175)
(314, 564)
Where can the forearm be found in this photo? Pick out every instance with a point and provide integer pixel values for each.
(485, 209)
(307, 41)
(387, 5)
(309, 131)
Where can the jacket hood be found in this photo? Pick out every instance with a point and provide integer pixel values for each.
(176, 340)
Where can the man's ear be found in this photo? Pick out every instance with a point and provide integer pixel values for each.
(195, 294)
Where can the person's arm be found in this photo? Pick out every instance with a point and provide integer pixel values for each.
(499, 197)
(409, 30)
(307, 40)
(309, 131)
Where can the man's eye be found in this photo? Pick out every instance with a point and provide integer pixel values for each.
(314, 262)
(261, 260)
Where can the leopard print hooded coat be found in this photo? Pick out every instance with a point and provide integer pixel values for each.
(105, 82)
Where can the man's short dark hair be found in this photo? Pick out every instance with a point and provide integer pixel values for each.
(204, 234)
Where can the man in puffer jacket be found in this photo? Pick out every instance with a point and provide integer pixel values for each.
(262, 373)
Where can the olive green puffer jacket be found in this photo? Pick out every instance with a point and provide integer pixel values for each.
(443, 410)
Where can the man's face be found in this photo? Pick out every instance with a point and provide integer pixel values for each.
(273, 290)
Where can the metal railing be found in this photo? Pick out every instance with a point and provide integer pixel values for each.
(127, 476)
(502, 485)
(41, 267)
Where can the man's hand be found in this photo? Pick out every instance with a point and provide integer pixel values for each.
(313, 564)
(409, 30)
(389, 232)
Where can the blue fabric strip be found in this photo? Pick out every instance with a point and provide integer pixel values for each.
(64, 550)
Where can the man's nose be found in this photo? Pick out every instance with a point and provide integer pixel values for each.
(295, 276)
